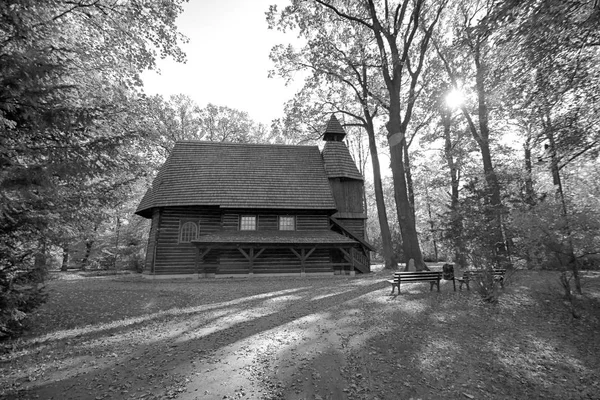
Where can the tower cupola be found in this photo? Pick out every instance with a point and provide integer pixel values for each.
(334, 132)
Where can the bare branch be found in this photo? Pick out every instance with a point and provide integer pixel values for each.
(344, 15)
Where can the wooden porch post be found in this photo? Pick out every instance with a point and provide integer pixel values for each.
(352, 261)
(350, 257)
(303, 256)
(251, 261)
(197, 261)
(251, 256)
(199, 255)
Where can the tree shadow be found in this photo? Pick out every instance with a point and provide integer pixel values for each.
(452, 346)
(344, 338)
(190, 334)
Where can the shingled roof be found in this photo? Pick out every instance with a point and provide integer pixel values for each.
(336, 156)
(334, 126)
(338, 162)
(232, 175)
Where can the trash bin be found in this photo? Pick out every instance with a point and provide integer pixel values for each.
(448, 271)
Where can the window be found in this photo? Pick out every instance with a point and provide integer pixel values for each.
(188, 232)
(287, 223)
(248, 223)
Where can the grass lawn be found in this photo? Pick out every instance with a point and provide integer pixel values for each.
(124, 337)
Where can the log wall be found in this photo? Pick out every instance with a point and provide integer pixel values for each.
(173, 257)
(267, 220)
(348, 194)
(151, 248)
(274, 260)
(354, 225)
(279, 260)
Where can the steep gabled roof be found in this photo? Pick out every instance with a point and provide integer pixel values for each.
(338, 162)
(236, 175)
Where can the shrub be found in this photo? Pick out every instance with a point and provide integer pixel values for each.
(487, 286)
(20, 293)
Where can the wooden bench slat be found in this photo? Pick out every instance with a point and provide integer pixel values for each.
(423, 273)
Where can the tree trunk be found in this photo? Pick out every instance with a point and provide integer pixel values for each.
(386, 236)
(86, 256)
(117, 232)
(366, 207)
(566, 284)
(456, 220)
(481, 137)
(65, 257)
(495, 202)
(431, 224)
(406, 219)
(409, 180)
(392, 68)
(529, 193)
(554, 167)
(41, 255)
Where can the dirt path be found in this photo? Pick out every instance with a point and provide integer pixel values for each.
(333, 338)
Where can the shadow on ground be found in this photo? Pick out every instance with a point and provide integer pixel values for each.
(157, 353)
(331, 338)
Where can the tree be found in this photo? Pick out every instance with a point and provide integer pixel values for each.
(177, 118)
(225, 124)
(557, 86)
(400, 43)
(481, 58)
(69, 74)
(342, 75)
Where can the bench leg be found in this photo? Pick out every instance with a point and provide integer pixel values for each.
(394, 288)
(454, 284)
(434, 283)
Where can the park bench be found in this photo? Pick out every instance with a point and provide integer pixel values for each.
(433, 277)
(469, 275)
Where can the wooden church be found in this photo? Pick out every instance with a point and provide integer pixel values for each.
(230, 209)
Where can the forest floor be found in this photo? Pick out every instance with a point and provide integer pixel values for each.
(125, 337)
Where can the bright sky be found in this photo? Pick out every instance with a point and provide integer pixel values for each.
(227, 59)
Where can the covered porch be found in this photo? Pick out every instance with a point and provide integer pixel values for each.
(279, 252)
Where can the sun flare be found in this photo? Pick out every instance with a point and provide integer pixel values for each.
(455, 98)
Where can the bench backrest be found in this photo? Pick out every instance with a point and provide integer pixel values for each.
(474, 272)
(418, 275)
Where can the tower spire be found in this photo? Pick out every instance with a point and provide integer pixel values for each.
(334, 132)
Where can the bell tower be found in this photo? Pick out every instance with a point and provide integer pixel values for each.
(347, 184)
